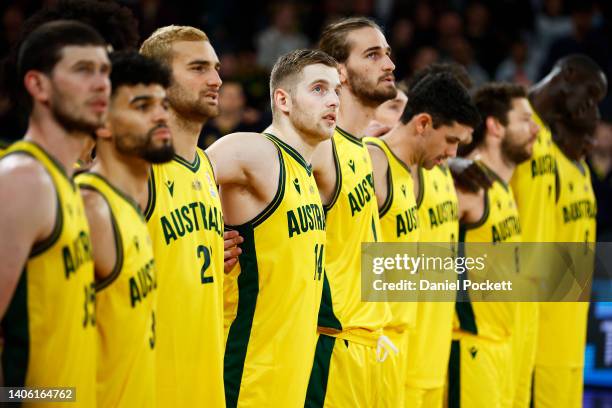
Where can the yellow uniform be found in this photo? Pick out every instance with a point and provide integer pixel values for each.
(480, 367)
(399, 223)
(186, 226)
(560, 354)
(276, 292)
(49, 326)
(430, 342)
(125, 306)
(343, 375)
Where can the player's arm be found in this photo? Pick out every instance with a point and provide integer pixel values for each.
(471, 205)
(28, 215)
(380, 167)
(324, 171)
(101, 232)
(238, 158)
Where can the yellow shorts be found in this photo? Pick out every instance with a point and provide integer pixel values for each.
(423, 397)
(394, 371)
(478, 373)
(524, 344)
(344, 374)
(558, 387)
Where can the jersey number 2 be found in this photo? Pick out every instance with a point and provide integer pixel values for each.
(204, 252)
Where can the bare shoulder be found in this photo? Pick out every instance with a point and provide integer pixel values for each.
(379, 158)
(95, 205)
(24, 180)
(242, 146)
(471, 205)
(322, 159)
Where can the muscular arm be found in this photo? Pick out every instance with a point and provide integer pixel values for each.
(380, 166)
(29, 207)
(246, 169)
(102, 234)
(324, 171)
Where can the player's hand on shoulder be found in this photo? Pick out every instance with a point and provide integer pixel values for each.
(468, 174)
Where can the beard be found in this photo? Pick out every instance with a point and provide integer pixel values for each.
(146, 150)
(192, 108)
(69, 119)
(516, 153)
(369, 94)
(308, 125)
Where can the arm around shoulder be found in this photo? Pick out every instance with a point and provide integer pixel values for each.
(103, 239)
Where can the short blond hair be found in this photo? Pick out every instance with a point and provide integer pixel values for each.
(159, 45)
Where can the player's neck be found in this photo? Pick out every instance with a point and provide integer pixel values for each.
(353, 115)
(570, 147)
(402, 143)
(494, 160)
(303, 144)
(129, 174)
(185, 134)
(64, 147)
(541, 101)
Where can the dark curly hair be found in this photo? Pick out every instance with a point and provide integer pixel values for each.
(442, 97)
(131, 68)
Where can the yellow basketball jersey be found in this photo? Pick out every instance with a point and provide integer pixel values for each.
(499, 223)
(533, 184)
(399, 223)
(125, 306)
(49, 327)
(276, 292)
(563, 325)
(186, 226)
(352, 218)
(439, 224)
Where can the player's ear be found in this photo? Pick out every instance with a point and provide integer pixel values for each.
(493, 126)
(105, 132)
(37, 85)
(282, 101)
(422, 122)
(343, 74)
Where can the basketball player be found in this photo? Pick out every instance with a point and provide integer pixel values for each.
(47, 299)
(345, 371)
(571, 91)
(270, 196)
(437, 206)
(558, 379)
(135, 135)
(186, 224)
(481, 361)
(439, 115)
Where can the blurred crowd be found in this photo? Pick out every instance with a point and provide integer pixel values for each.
(502, 40)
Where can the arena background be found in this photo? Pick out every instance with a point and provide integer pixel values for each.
(506, 40)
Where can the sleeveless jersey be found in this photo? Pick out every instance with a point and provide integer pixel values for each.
(125, 306)
(563, 324)
(533, 183)
(185, 221)
(352, 218)
(439, 224)
(499, 223)
(399, 223)
(49, 326)
(275, 292)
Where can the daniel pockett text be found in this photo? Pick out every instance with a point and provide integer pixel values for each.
(476, 272)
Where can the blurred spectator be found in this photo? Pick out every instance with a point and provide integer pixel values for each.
(281, 37)
(461, 52)
(488, 48)
(600, 163)
(520, 67)
(401, 44)
(550, 25)
(584, 39)
(450, 27)
(234, 115)
(12, 20)
(425, 33)
(423, 57)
